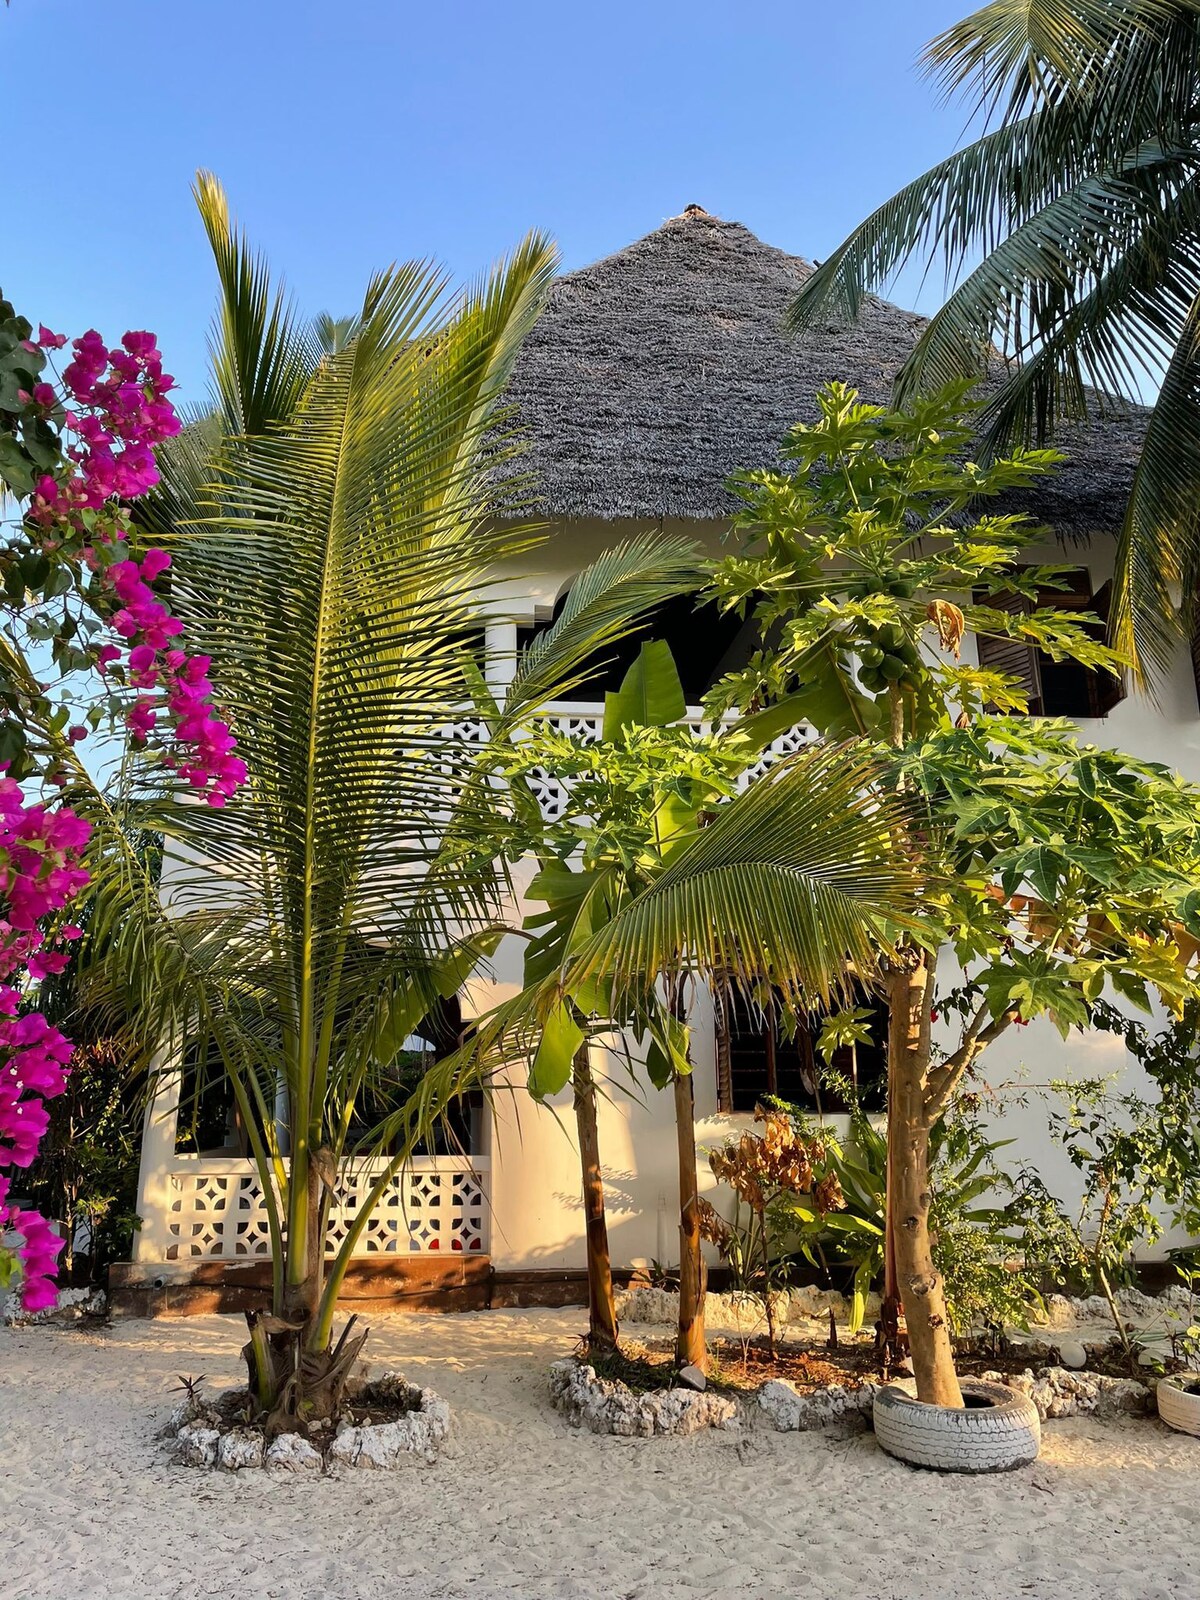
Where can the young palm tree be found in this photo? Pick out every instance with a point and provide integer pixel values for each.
(1082, 195)
(657, 877)
(334, 523)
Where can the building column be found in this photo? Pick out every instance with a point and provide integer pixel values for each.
(501, 643)
(155, 1193)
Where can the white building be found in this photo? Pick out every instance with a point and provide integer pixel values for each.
(652, 376)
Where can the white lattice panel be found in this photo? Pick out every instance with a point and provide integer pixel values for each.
(584, 723)
(434, 1205)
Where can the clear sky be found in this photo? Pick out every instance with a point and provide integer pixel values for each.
(354, 132)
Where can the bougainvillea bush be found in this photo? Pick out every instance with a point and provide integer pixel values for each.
(86, 645)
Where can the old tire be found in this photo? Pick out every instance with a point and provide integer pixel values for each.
(1177, 1408)
(997, 1431)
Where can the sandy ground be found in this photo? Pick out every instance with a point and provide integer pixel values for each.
(521, 1505)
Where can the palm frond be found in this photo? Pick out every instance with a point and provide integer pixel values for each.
(1157, 572)
(1023, 289)
(796, 885)
(618, 590)
(262, 354)
(1018, 53)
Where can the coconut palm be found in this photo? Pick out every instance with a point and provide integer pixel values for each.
(334, 519)
(658, 875)
(1082, 194)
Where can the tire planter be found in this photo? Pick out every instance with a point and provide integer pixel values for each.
(997, 1431)
(1179, 1408)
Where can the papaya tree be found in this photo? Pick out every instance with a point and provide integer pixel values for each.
(1057, 873)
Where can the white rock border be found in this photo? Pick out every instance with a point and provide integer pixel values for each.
(789, 1410)
(605, 1405)
(200, 1438)
(1056, 1392)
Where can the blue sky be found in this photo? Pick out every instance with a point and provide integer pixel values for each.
(355, 133)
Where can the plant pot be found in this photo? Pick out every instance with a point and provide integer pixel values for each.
(996, 1431)
(1178, 1403)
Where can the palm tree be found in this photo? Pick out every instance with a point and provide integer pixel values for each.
(334, 519)
(657, 878)
(1082, 195)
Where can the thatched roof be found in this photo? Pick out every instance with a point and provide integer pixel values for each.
(656, 372)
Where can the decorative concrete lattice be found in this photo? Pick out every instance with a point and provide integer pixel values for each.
(584, 723)
(436, 1204)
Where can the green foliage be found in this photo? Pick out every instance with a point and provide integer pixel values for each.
(989, 1231)
(1139, 1159)
(86, 1170)
(657, 868)
(1058, 873)
(29, 443)
(1068, 873)
(1071, 224)
(46, 597)
(869, 538)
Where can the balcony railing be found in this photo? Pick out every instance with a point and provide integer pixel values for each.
(583, 721)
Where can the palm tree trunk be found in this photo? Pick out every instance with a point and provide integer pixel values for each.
(602, 1313)
(919, 1282)
(690, 1348)
(302, 1291)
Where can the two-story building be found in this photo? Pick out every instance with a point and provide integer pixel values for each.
(651, 377)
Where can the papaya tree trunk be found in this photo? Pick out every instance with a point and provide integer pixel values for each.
(602, 1313)
(919, 1282)
(689, 1343)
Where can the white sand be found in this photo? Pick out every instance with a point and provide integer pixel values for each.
(523, 1506)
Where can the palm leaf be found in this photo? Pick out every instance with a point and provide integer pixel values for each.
(797, 884)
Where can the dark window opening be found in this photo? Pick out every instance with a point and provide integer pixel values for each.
(704, 643)
(460, 1130)
(758, 1058)
(1055, 688)
(209, 1123)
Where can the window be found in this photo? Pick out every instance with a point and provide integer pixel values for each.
(1055, 688)
(756, 1058)
(209, 1123)
(703, 642)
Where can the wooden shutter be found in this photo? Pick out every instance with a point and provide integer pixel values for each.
(1010, 656)
(724, 1066)
(1108, 688)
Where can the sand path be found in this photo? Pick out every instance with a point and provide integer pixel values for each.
(522, 1505)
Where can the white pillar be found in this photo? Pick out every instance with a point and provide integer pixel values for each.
(501, 640)
(155, 1192)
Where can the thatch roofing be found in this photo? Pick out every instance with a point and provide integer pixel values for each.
(658, 371)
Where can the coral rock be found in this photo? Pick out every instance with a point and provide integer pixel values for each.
(793, 1412)
(1059, 1393)
(604, 1406)
(241, 1447)
(198, 1444)
(291, 1453)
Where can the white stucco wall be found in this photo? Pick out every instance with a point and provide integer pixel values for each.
(537, 1209)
